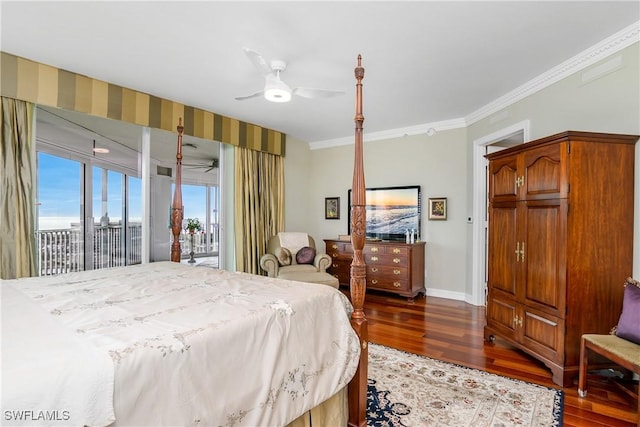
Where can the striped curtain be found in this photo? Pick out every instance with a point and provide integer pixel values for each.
(259, 205)
(17, 190)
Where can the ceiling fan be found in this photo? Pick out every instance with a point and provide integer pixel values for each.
(275, 90)
(208, 166)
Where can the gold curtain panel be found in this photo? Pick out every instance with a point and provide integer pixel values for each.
(45, 85)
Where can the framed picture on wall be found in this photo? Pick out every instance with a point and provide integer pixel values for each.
(332, 208)
(391, 211)
(438, 208)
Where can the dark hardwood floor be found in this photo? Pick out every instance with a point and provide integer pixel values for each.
(453, 331)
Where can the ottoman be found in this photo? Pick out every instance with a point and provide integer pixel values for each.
(311, 277)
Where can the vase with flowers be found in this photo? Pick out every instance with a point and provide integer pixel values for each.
(192, 225)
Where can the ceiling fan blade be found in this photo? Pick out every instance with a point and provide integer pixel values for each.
(306, 92)
(254, 95)
(258, 61)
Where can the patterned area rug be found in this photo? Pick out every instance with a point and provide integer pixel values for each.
(410, 390)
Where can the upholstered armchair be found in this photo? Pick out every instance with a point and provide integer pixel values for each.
(293, 256)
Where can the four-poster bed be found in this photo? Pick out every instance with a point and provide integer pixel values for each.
(165, 343)
(358, 386)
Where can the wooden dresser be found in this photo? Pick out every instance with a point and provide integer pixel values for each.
(396, 267)
(560, 243)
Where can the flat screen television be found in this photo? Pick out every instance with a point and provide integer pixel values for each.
(391, 211)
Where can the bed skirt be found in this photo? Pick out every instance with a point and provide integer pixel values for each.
(332, 412)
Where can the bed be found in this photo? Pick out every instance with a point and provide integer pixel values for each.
(172, 344)
(212, 347)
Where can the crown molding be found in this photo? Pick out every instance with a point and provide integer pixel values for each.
(609, 46)
(426, 128)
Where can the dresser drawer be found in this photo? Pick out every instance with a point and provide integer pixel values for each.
(384, 259)
(381, 283)
(396, 267)
(387, 271)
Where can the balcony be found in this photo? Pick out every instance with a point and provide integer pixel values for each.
(62, 250)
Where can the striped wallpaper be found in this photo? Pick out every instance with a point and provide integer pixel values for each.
(45, 85)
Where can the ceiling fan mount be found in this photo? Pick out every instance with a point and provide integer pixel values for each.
(275, 90)
(210, 165)
(277, 65)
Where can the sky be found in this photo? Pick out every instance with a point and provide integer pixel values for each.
(60, 184)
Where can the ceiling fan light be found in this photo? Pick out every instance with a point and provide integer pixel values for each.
(277, 95)
(276, 90)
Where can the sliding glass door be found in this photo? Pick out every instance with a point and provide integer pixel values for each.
(201, 202)
(60, 228)
(66, 189)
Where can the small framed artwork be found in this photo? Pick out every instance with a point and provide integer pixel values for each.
(438, 208)
(332, 208)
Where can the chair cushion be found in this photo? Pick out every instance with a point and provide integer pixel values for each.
(312, 277)
(284, 256)
(629, 323)
(297, 268)
(306, 255)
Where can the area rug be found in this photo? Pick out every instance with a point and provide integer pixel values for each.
(409, 390)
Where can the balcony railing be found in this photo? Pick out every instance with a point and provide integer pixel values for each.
(62, 250)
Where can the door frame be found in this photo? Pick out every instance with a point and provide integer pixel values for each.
(478, 257)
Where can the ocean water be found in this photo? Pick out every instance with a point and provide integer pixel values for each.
(68, 222)
(58, 222)
(392, 219)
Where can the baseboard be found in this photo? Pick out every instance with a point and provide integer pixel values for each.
(441, 293)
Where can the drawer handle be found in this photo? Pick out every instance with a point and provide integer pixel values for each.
(374, 270)
(374, 281)
(396, 260)
(374, 258)
(396, 271)
(396, 284)
(335, 265)
(396, 250)
(374, 249)
(334, 255)
(334, 246)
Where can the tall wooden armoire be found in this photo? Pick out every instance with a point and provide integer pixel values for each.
(560, 243)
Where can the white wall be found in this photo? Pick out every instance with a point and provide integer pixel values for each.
(609, 103)
(443, 164)
(437, 164)
(299, 188)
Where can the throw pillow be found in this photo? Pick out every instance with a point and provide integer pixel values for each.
(629, 323)
(306, 255)
(284, 256)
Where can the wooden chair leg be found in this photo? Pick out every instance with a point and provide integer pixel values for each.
(582, 375)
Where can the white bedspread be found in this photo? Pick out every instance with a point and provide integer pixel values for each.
(50, 376)
(199, 346)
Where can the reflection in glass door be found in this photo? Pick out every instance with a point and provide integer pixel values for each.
(134, 220)
(201, 202)
(108, 215)
(60, 231)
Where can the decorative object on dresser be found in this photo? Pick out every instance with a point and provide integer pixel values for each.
(391, 211)
(395, 267)
(560, 243)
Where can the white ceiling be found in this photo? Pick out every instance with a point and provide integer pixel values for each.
(425, 61)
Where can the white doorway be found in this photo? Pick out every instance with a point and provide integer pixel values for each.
(507, 137)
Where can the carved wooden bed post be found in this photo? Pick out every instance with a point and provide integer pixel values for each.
(176, 209)
(358, 284)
